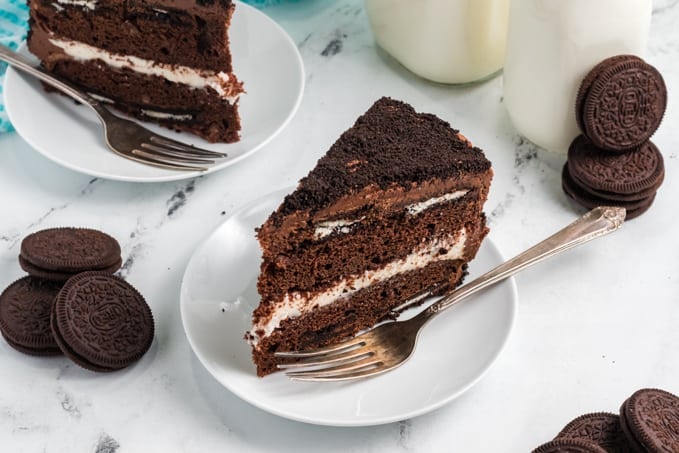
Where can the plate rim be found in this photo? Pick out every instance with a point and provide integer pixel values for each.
(12, 73)
(328, 421)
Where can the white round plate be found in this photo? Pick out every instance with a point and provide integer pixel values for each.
(264, 57)
(454, 351)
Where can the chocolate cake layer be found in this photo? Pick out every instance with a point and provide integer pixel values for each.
(368, 244)
(348, 316)
(177, 106)
(159, 31)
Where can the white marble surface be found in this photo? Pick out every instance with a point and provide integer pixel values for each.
(594, 325)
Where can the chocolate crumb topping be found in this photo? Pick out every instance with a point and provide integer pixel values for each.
(403, 148)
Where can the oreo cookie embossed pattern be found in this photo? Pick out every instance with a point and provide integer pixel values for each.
(619, 106)
(587, 82)
(625, 103)
(594, 177)
(626, 174)
(601, 428)
(651, 419)
(101, 322)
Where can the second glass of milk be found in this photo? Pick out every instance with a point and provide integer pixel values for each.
(446, 41)
(551, 46)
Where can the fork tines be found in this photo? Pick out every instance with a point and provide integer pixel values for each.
(179, 146)
(173, 154)
(337, 362)
(362, 368)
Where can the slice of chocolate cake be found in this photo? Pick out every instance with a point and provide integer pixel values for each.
(393, 209)
(165, 61)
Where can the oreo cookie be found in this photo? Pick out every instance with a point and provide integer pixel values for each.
(624, 104)
(101, 322)
(650, 419)
(25, 307)
(625, 173)
(587, 82)
(594, 177)
(59, 253)
(585, 198)
(600, 428)
(569, 446)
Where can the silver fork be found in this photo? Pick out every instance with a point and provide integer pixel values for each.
(122, 136)
(389, 345)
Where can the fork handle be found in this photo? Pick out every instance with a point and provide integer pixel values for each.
(596, 223)
(20, 62)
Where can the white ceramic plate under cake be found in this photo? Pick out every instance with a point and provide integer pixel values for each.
(264, 58)
(454, 351)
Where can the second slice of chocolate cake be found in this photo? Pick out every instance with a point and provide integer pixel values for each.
(164, 61)
(394, 208)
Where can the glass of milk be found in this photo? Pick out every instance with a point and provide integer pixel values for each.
(551, 46)
(446, 41)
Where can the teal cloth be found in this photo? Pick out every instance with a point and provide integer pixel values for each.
(13, 25)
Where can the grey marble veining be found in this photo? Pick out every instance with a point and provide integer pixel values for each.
(593, 326)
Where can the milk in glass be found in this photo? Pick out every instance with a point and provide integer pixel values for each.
(447, 41)
(551, 46)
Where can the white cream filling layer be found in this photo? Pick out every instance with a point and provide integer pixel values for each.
(194, 78)
(163, 115)
(296, 304)
(89, 4)
(342, 226)
(417, 208)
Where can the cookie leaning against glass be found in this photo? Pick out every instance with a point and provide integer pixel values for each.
(621, 103)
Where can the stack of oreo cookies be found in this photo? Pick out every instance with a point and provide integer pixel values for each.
(70, 303)
(648, 422)
(619, 106)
